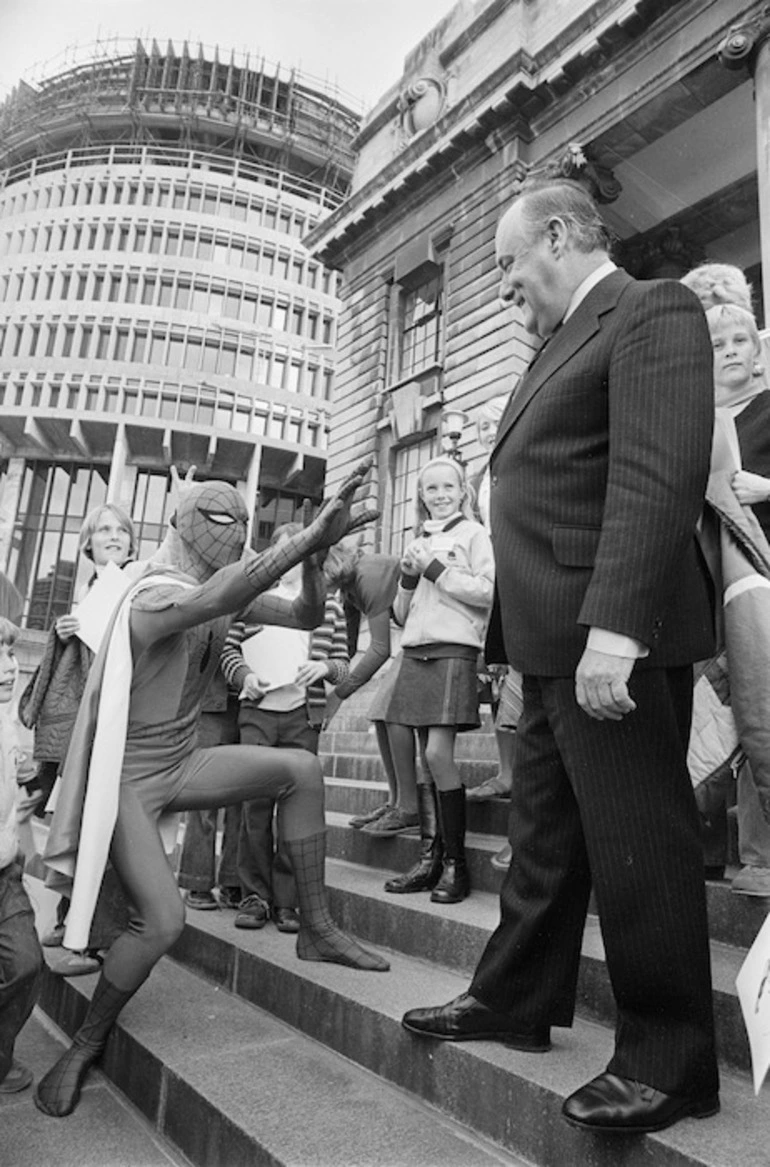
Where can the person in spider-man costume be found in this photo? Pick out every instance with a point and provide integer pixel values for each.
(173, 623)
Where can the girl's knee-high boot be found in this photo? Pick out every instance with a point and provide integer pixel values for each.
(319, 937)
(454, 883)
(58, 1091)
(424, 874)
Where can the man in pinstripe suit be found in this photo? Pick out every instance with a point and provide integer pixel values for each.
(602, 602)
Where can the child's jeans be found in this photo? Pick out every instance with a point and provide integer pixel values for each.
(21, 961)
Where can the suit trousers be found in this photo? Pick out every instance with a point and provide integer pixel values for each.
(608, 804)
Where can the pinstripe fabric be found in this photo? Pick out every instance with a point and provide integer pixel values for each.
(597, 482)
(598, 477)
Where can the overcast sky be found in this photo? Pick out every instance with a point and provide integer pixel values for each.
(358, 45)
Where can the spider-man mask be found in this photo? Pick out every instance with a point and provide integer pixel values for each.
(211, 519)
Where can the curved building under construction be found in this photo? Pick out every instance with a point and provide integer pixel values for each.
(157, 305)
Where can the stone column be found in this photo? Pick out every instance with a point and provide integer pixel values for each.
(252, 489)
(117, 465)
(747, 46)
(10, 492)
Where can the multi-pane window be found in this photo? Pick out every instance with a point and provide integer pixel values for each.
(408, 460)
(44, 562)
(421, 326)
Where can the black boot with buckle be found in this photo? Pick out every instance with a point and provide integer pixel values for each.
(424, 874)
(454, 883)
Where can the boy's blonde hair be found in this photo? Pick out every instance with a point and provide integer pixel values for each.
(9, 633)
(91, 522)
(735, 314)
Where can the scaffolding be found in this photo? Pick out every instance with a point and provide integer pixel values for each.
(234, 107)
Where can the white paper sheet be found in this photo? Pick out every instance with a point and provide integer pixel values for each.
(753, 985)
(100, 601)
(276, 655)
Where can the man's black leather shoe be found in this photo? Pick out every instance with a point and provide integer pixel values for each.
(466, 1019)
(610, 1103)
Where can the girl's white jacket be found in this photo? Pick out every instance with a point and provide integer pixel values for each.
(451, 601)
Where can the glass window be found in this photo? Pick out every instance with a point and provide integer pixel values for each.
(67, 340)
(148, 290)
(421, 327)
(86, 334)
(121, 344)
(132, 288)
(227, 360)
(103, 344)
(244, 364)
(114, 293)
(182, 298)
(139, 345)
(157, 351)
(166, 293)
(97, 289)
(156, 240)
(200, 298)
(176, 351)
(224, 412)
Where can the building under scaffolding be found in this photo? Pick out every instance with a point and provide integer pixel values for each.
(157, 305)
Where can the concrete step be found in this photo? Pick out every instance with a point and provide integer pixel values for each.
(349, 797)
(105, 1130)
(230, 1085)
(398, 853)
(368, 768)
(454, 936)
(476, 745)
(510, 1097)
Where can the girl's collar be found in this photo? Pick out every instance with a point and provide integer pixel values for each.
(438, 526)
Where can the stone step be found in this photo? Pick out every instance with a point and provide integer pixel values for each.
(349, 797)
(369, 768)
(398, 853)
(105, 1131)
(473, 746)
(454, 936)
(230, 1085)
(509, 1097)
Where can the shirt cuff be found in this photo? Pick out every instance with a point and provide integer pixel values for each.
(616, 644)
(434, 570)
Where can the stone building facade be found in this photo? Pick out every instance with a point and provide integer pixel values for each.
(651, 103)
(157, 304)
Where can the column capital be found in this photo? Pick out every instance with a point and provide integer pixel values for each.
(740, 48)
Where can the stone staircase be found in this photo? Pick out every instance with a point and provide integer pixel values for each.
(237, 1053)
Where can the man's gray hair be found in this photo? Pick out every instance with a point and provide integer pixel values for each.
(543, 199)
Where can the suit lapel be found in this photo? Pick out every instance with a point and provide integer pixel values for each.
(577, 331)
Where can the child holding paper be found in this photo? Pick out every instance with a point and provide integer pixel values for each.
(279, 674)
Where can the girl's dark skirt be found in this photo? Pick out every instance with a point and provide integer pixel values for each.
(443, 691)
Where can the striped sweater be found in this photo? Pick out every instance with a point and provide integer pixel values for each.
(328, 642)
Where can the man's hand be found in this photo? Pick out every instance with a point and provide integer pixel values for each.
(750, 488)
(601, 685)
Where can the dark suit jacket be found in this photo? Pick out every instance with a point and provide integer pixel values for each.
(598, 478)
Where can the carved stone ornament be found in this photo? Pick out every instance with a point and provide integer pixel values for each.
(740, 47)
(598, 180)
(421, 104)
